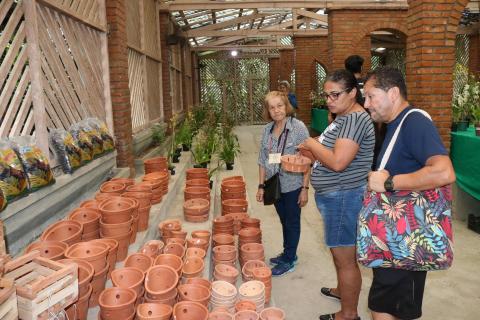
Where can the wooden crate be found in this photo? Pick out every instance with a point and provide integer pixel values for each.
(8, 301)
(44, 287)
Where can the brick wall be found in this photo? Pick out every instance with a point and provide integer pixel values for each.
(274, 72)
(474, 55)
(118, 60)
(308, 51)
(286, 64)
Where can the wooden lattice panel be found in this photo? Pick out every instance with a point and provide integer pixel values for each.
(71, 67)
(153, 88)
(90, 11)
(460, 76)
(133, 23)
(136, 71)
(16, 109)
(150, 27)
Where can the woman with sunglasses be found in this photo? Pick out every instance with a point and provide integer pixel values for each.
(343, 155)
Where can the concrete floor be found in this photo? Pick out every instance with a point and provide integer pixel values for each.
(451, 294)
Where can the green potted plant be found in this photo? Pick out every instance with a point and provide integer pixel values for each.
(158, 134)
(465, 102)
(230, 148)
(185, 134)
(476, 118)
(318, 100)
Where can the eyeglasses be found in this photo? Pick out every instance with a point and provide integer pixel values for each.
(333, 95)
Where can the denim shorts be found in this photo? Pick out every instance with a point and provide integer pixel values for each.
(339, 210)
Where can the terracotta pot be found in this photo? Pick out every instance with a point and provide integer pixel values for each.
(115, 229)
(202, 234)
(100, 197)
(249, 266)
(112, 252)
(140, 261)
(194, 292)
(53, 250)
(251, 223)
(246, 315)
(233, 178)
(157, 164)
(171, 260)
(197, 193)
(129, 277)
(181, 234)
(233, 195)
(152, 248)
(160, 281)
(263, 274)
(199, 281)
(117, 210)
(226, 271)
(242, 305)
(165, 227)
(180, 241)
(203, 183)
(272, 314)
(144, 198)
(143, 218)
(197, 173)
(295, 163)
(196, 207)
(220, 315)
(169, 298)
(67, 231)
(85, 274)
(189, 310)
(154, 311)
(175, 248)
(126, 181)
(141, 188)
(161, 176)
(130, 317)
(112, 187)
(93, 252)
(193, 267)
(91, 235)
(221, 238)
(195, 252)
(79, 310)
(197, 243)
(116, 302)
(234, 205)
(123, 243)
(91, 204)
(98, 284)
(233, 186)
(89, 218)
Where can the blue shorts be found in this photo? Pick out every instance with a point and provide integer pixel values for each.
(339, 210)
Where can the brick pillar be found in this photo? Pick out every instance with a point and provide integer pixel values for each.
(308, 51)
(167, 98)
(274, 72)
(121, 108)
(474, 54)
(287, 62)
(431, 58)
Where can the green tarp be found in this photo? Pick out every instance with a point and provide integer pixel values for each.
(319, 119)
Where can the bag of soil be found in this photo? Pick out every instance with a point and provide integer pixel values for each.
(67, 150)
(100, 126)
(34, 162)
(13, 180)
(83, 141)
(94, 136)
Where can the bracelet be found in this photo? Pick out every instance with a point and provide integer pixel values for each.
(306, 187)
(261, 186)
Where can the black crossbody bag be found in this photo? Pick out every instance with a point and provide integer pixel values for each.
(272, 191)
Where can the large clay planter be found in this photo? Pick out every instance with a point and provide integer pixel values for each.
(160, 281)
(246, 315)
(194, 292)
(196, 193)
(112, 187)
(79, 310)
(85, 274)
(112, 252)
(116, 302)
(98, 284)
(295, 163)
(115, 229)
(199, 281)
(140, 261)
(88, 217)
(193, 267)
(93, 252)
(197, 173)
(171, 260)
(116, 210)
(53, 250)
(189, 310)
(67, 231)
(123, 243)
(272, 314)
(154, 311)
(129, 277)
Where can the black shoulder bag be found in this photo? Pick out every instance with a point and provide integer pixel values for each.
(272, 191)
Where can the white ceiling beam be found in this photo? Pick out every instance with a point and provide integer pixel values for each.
(225, 40)
(231, 22)
(252, 33)
(313, 15)
(240, 47)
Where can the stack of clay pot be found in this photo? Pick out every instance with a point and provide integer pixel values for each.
(251, 251)
(199, 183)
(223, 224)
(233, 189)
(194, 292)
(234, 206)
(195, 252)
(272, 313)
(249, 235)
(225, 254)
(117, 303)
(193, 267)
(170, 260)
(198, 188)
(196, 210)
(90, 220)
(254, 291)
(246, 315)
(95, 253)
(224, 294)
(53, 250)
(223, 238)
(154, 311)
(250, 222)
(126, 181)
(112, 188)
(167, 228)
(112, 252)
(237, 220)
(131, 278)
(68, 231)
(264, 274)
(189, 310)
(243, 305)
(249, 267)
(158, 164)
(158, 181)
(143, 194)
(85, 275)
(202, 234)
(161, 285)
(116, 222)
(225, 272)
(140, 261)
(152, 248)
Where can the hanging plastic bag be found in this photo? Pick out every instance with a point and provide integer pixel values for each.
(83, 141)
(67, 150)
(34, 162)
(95, 137)
(13, 180)
(100, 126)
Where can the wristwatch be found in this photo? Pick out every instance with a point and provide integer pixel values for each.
(261, 186)
(388, 184)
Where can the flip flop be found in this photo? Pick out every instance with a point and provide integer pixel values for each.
(331, 316)
(327, 292)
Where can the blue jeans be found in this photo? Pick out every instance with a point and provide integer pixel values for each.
(289, 212)
(339, 210)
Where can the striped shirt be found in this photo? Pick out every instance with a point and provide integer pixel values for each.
(297, 133)
(356, 126)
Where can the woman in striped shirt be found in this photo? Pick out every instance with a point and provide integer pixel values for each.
(343, 155)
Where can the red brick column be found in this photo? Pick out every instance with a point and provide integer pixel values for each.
(287, 64)
(274, 72)
(474, 54)
(118, 60)
(431, 57)
(167, 98)
(308, 51)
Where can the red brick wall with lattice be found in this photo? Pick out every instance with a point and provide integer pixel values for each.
(474, 54)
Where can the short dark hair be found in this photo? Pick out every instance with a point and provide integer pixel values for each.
(388, 77)
(354, 64)
(347, 80)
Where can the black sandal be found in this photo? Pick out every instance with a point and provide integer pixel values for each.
(331, 316)
(327, 292)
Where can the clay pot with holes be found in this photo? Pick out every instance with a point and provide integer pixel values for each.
(249, 266)
(242, 305)
(79, 310)
(154, 311)
(295, 163)
(53, 250)
(153, 248)
(196, 193)
(249, 234)
(115, 229)
(126, 181)
(123, 243)
(197, 173)
(169, 299)
(189, 310)
(171, 260)
(116, 210)
(85, 274)
(252, 251)
(98, 284)
(112, 187)
(192, 267)
(225, 272)
(272, 313)
(175, 249)
(224, 252)
(237, 220)
(116, 302)
(246, 315)
(195, 252)
(202, 234)
(222, 238)
(234, 205)
(160, 282)
(140, 261)
(155, 165)
(194, 292)
(196, 210)
(67, 231)
(157, 190)
(91, 204)
(199, 183)
(220, 315)
(180, 241)
(129, 277)
(250, 222)
(223, 224)
(232, 186)
(144, 198)
(89, 218)
(197, 243)
(93, 252)
(112, 252)
(100, 197)
(167, 226)
(199, 281)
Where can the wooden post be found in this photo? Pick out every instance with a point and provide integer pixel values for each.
(35, 62)
(106, 69)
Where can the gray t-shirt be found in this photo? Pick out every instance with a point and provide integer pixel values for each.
(356, 126)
